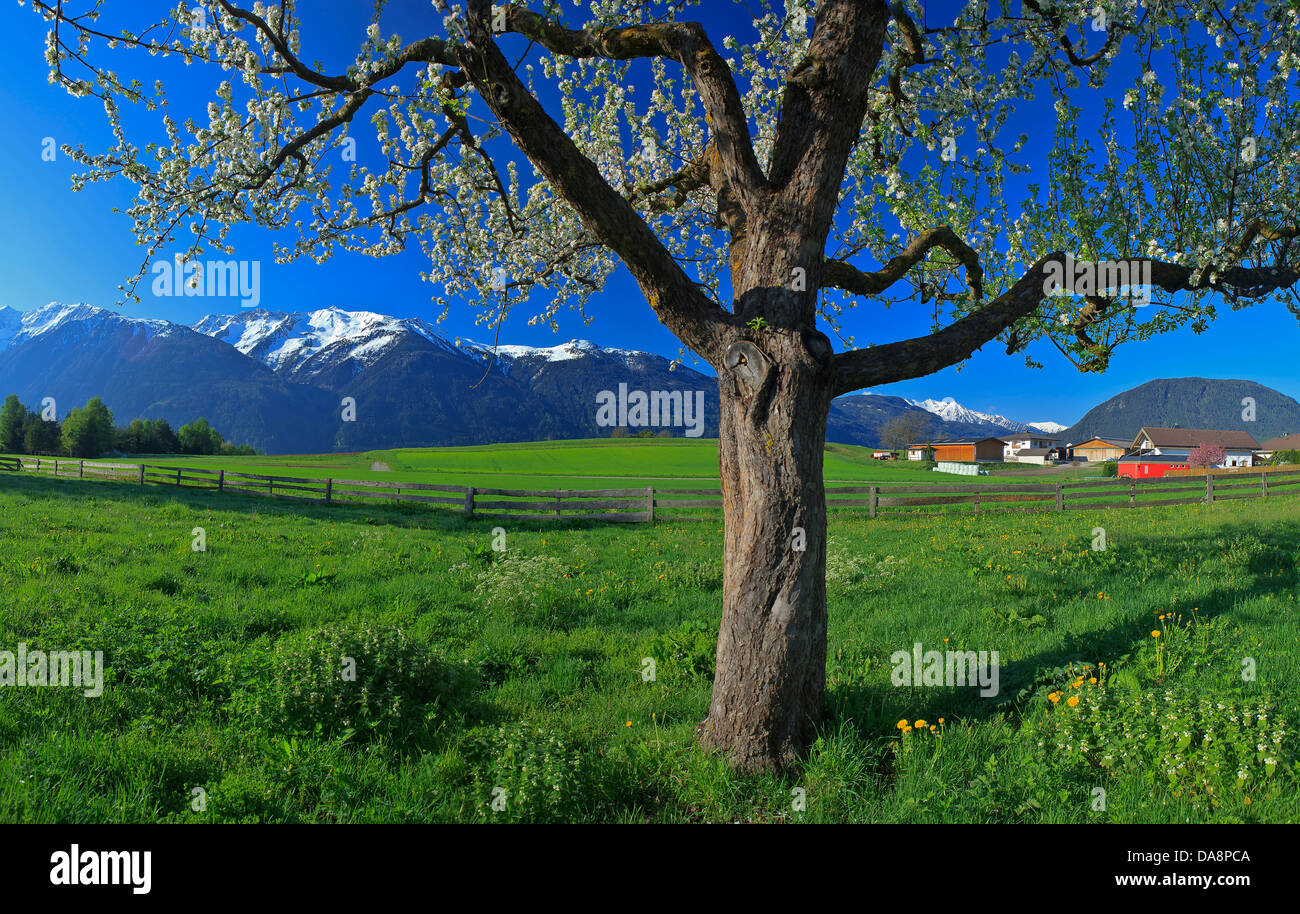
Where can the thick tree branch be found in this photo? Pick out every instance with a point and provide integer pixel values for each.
(840, 275)
(925, 355)
(688, 44)
(678, 301)
(825, 102)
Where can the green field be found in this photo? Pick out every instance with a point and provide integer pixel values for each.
(519, 674)
(589, 463)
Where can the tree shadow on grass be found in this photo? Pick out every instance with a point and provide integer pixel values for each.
(1263, 561)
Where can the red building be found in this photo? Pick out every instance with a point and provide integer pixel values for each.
(1150, 466)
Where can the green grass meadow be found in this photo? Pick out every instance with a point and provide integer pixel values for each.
(579, 464)
(505, 685)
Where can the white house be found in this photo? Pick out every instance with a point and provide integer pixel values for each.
(1239, 447)
(1012, 445)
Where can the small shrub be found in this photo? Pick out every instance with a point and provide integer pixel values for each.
(690, 650)
(526, 773)
(515, 582)
(362, 683)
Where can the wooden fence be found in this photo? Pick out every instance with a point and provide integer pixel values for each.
(609, 505)
(995, 496)
(643, 504)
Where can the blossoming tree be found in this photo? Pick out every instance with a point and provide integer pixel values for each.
(1207, 455)
(834, 153)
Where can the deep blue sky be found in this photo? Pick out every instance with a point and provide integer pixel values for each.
(59, 246)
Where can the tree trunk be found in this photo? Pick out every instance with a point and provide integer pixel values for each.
(769, 686)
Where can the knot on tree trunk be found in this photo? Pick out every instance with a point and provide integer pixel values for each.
(753, 376)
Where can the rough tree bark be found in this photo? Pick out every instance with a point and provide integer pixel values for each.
(769, 686)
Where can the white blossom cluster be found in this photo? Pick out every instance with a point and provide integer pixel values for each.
(1199, 147)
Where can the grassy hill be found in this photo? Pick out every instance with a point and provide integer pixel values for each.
(589, 463)
(522, 670)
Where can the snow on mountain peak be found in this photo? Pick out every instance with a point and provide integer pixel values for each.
(17, 327)
(573, 349)
(950, 410)
(289, 340)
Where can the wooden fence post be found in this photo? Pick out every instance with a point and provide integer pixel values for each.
(557, 502)
(977, 502)
(1060, 497)
(1209, 488)
(650, 502)
(221, 480)
(178, 476)
(329, 490)
(81, 469)
(1263, 485)
(871, 501)
(142, 474)
(1132, 494)
(469, 501)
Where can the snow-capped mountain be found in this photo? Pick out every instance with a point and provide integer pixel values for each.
(1048, 428)
(949, 410)
(18, 327)
(276, 380)
(145, 368)
(303, 345)
(564, 352)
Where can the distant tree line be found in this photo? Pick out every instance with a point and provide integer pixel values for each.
(623, 431)
(91, 432)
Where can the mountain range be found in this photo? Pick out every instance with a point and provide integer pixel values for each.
(284, 382)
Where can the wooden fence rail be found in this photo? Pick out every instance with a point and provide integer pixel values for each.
(640, 505)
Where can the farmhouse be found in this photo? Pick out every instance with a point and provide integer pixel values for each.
(1151, 466)
(1043, 455)
(967, 449)
(1013, 445)
(1095, 449)
(1273, 445)
(1239, 447)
